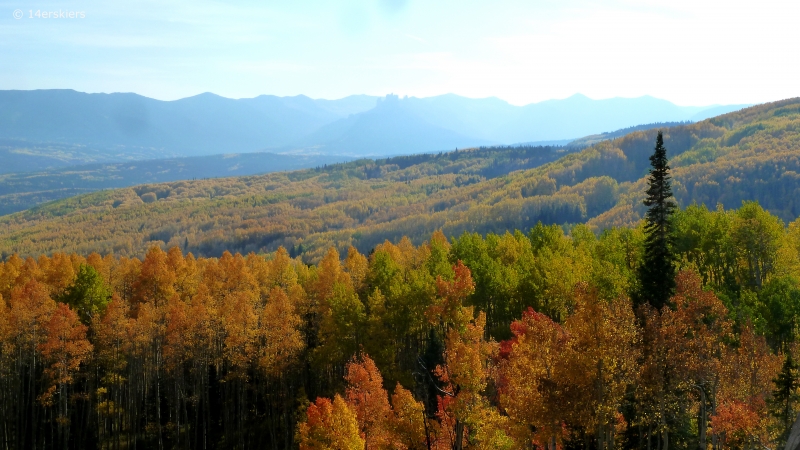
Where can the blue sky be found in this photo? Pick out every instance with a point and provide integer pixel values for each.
(694, 52)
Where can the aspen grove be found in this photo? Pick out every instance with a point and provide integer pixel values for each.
(497, 341)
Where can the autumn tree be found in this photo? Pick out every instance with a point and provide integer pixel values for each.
(746, 384)
(112, 346)
(600, 362)
(529, 379)
(64, 350)
(409, 424)
(30, 311)
(329, 426)
(366, 396)
(682, 362)
(279, 336)
(467, 418)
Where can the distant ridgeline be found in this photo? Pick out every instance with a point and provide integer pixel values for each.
(23, 190)
(595, 138)
(752, 154)
(121, 126)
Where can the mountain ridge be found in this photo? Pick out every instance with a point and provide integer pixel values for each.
(207, 123)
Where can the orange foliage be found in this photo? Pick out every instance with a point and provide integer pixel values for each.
(64, 349)
(329, 426)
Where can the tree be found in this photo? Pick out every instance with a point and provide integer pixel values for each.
(745, 386)
(64, 349)
(779, 301)
(467, 418)
(329, 426)
(681, 360)
(366, 396)
(279, 335)
(111, 332)
(88, 294)
(599, 364)
(657, 272)
(784, 397)
(409, 420)
(756, 234)
(528, 378)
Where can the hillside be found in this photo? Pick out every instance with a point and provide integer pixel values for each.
(752, 154)
(23, 190)
(25, 156)
(587, 141)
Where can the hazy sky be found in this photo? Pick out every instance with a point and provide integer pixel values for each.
(692, 52)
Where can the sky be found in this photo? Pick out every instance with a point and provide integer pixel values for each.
(691, 52)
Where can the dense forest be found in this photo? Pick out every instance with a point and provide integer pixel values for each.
(24, 189)
(592, 139)
(513, 340)
(34, 174)
(749, 155)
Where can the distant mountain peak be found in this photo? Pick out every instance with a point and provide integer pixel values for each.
(208, 123)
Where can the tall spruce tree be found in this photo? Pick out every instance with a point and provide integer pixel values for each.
(657, 272)
(785, 396)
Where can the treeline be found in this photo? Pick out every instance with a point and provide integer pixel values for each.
(595, 138)
(26, 188)
(496, 341)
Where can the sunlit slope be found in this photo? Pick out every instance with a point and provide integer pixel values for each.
(24, 190)
(753, 154)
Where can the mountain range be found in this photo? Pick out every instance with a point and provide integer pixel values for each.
(46, 129)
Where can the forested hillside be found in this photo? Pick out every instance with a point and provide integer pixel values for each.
(587, 141)
(27, 187)
(22, 190)
(509, 341)
(753, 154)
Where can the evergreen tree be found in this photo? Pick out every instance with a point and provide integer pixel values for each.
(785, 396)
(657, 272)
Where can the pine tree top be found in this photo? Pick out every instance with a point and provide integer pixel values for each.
(659, 191)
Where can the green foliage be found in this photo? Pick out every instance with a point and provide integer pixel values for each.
(785, 397)
(703, 241)
(780, 302)
(88, 294)
(758, 234)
